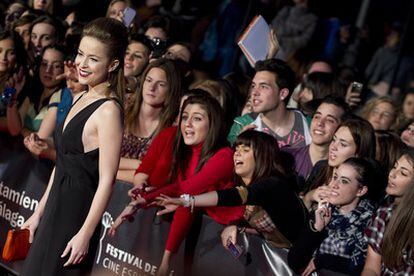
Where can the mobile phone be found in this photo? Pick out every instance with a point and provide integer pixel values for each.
(356, 87)
(235, 250)
(129, 15)
(7, 95)
(323, 204)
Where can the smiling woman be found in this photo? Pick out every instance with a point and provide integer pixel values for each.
(354, 138)
(333, 239)
(88, 146)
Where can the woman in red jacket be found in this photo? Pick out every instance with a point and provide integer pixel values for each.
(200, 163)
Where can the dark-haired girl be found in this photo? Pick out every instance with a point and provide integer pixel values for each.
(333, 240)
(29, 116)
(353, 138)
(12, 60)
(390, 234)
(263, 182)
(200, 162)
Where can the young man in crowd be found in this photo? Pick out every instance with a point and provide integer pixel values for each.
(271, 88)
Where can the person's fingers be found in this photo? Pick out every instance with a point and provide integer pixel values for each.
(31, 236)
(149, 188)
(66, 251)
(164, 211)
(248, 127)
(71, 259)
(355, 100)
(61, 76)
(79, 258)
(111, 232)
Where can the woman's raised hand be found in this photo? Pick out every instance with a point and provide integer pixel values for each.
(322, 193)
(322, 216)
(70, 71)
(126, 214)
(170, 204)
(17, 81)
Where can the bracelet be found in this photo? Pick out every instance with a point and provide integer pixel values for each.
(241, 229)
(189, 201)
(186, 198)
(192, 203)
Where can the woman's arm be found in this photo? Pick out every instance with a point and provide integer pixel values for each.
(129, 164)
(372, 263)
(3, 124)
(218, 168)
(125, 175)
(127, 168)
(48, 123)
(109, 140)
(14, 117)
(34, 219)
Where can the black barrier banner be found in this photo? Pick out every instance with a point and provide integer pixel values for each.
(23, 180)
(137, 247)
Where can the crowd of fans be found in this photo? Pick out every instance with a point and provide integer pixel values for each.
(325, 168)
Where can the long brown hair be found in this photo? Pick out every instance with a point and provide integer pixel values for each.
(266, 154)
(364, 138)
(398, 235)
(215, 137)
(114, 35)
(172, 100)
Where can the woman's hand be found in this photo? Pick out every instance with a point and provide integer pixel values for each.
(170, 204)
(70, 73)
(229, 234)
(32, 223)
(321, 193)
(139, 190)
(310, 268)
(78, 248)
(17, 81)
(322, 216)
(126, 214)
(34, 144)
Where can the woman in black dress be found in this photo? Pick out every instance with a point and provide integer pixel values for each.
(65, 224)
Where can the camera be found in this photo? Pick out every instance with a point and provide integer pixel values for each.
(158, 46)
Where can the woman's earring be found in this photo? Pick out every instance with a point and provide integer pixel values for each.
(108, 84)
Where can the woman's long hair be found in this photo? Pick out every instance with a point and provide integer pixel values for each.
(114, 35)
(364, 138)
(215, 137)
(172, 99)
(267, 156)
(20, 51)
(398, 235)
